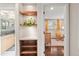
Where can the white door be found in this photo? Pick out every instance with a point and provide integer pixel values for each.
(74, 29)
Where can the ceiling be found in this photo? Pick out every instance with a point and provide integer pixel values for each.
(7, 6)
(58, 9)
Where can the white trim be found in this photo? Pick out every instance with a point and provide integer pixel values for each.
(17, 29)
(66, 39)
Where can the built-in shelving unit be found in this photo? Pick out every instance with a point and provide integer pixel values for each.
(28, 47)
(27, 30)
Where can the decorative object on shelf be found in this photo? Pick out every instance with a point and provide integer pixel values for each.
(59, 35)
(29, 22)
(46, 25)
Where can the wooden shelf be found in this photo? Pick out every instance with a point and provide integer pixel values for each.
(57, 39)
(54, 46)
(29, 46)
(28, 13)
(28, 52)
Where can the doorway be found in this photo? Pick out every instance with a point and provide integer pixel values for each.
(52, 12)
(7, 19)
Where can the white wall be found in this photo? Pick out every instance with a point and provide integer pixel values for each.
(58, 10)
(74, 29)
(40, 30)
